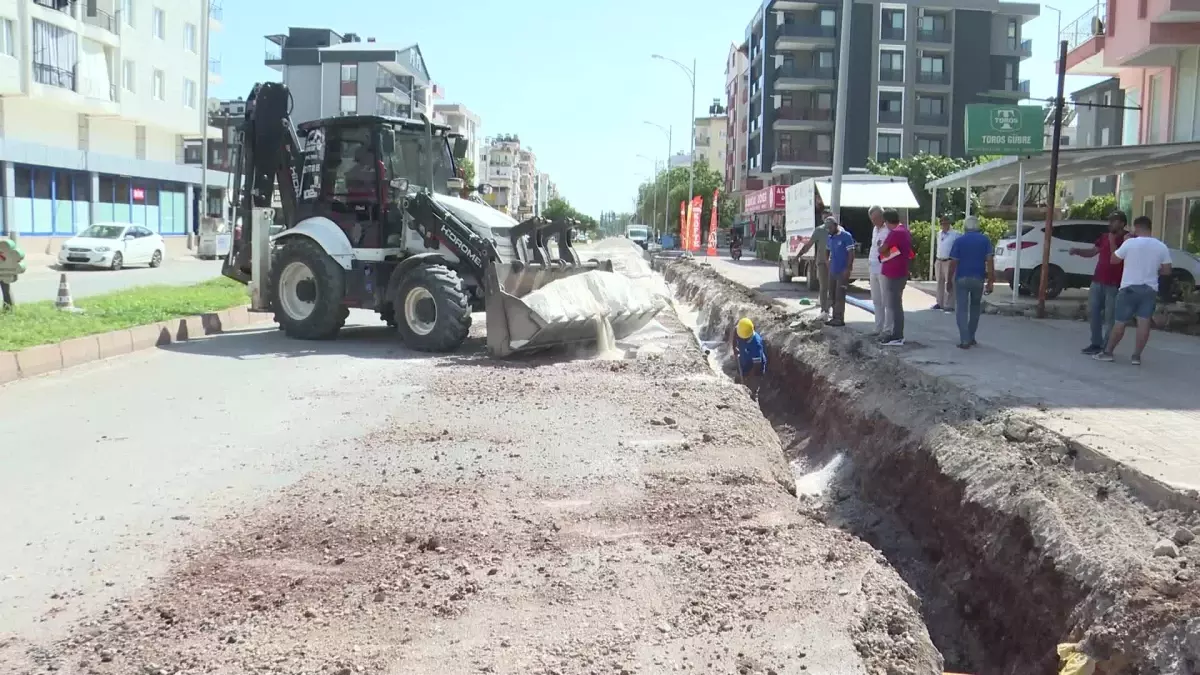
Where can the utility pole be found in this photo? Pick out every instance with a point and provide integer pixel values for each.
(843, 91)
(1055, 145)
(204, 52)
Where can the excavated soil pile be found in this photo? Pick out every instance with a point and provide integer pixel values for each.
(1012, 548)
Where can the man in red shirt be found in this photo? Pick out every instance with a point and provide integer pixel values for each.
(895, 252)
(1102, 297)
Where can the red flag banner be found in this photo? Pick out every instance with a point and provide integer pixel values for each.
(712, 225)
(694, 238)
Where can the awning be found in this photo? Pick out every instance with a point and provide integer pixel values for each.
(1073, 163)
(865, 194)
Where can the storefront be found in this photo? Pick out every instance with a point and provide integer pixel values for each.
(764, 211)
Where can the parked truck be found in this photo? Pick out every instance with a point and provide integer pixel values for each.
(805, 206)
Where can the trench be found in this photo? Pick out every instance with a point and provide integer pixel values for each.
(995, 596)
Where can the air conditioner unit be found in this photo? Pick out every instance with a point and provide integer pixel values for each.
(1097, 26)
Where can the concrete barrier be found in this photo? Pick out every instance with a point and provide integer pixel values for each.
(44, 359)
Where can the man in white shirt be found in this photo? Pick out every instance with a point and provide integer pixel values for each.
(882, 325)
(945, 283)
(1146, 259)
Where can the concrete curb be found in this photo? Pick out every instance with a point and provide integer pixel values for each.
(44, 359)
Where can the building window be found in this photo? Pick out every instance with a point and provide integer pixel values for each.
(887, 146)
(54, 55)
(933, 69)
(349, 105)
(1010, 76)
(1013, 34)
(929, 146)
(1106, 98)
(891, 66)
(350, 72)
(7, 34)
(1152, 107)
(189, 37)
(189, 93)
(931, 107)
(160, 24)
(158, 86)
(1104, 136)
(891, 24)
(128, 75)
(127, 12)
(891, 107)
(828, 18)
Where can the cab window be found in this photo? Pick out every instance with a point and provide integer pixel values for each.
(350, 166)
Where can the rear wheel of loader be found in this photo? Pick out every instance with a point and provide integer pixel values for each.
(433, 309)
(307, 288)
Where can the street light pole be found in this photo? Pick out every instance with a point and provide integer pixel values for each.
(667, 167)
(653, 188)
(843, 90)
(691, 75)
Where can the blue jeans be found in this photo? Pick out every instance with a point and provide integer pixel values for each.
(1102, 309)
(1136, 302)
(968, 303)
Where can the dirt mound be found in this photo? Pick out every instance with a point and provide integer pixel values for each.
(1012, 547)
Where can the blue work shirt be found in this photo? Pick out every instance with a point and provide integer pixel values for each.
(840, 247)
(751, 349)
(971, 250)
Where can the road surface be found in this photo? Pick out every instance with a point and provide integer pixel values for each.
(41, 281)
(1144, 417)
(247, 503)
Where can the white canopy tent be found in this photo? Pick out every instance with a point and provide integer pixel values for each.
(857, 193)
(1073, 163)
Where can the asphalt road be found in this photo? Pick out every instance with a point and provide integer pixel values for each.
(41, 282)
(377, 506)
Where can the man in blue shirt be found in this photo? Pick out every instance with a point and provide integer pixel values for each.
(751, 355)
(973, 271)
(841, 262)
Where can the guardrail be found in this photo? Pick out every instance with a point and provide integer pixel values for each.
(1081, 30)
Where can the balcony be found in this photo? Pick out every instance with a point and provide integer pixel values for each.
(214, 66)
(795, 77)
(803, 156)
(101, 19)
(54, 77)
(885, 157)
(891, 33)
(1011, 89)
(392, 88)
(215, 11)
(891, 117)
(802, 118)
(937, 36)
(891, 75)
(934, 77)
(1085, 46)
(798, 35)
(932, 119)
(1025, 49)
(273, 55)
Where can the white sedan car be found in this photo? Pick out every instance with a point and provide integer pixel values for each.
(113, 246)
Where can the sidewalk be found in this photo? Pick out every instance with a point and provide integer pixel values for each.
(1145, 417)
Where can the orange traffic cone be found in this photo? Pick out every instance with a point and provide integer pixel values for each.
(63, 301)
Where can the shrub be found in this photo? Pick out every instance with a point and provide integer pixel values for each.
(1096, 207)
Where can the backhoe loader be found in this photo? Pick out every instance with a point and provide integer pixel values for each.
(373, 217)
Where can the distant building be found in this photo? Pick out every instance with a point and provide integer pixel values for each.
(462, 121)
(711, 135)
(683, 159)
(1098, 126)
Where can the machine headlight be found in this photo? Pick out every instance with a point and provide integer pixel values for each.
(102, 249)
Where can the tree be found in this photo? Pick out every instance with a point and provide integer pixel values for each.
(921, 169)
(558, 208)
(468, 169)
(1096, 207)
(706, 182)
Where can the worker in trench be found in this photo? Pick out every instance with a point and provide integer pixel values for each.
(751, 355)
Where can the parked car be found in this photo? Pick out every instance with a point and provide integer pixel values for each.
(113, 246)
(1072, 271)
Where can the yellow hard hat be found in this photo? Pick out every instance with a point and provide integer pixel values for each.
(745, 328)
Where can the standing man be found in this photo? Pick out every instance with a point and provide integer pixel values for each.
(945, 279)
(841, 262)
(882, 325)
(895, 254)
(973, 271)
(1102, 296)
(819, 243)
(1145, 260)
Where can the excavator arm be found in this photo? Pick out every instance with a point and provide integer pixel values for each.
(270, 155)
(437, 224)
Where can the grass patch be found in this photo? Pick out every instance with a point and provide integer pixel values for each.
(39, 323)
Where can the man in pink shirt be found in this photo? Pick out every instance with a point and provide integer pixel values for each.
(895, 253)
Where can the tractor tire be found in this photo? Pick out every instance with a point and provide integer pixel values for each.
(784, 276)
(306, 291)
(432, 309)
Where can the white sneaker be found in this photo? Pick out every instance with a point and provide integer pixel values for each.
(823, 316)
(898, 342)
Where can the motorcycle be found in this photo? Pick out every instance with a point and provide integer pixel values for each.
(735, 251)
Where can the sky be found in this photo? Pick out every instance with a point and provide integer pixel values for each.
(575, 80)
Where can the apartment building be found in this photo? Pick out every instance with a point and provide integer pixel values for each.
(96, 99)
(462, 121)
(527, 184)
(330, 74)
(502, 173)
(712, 133)
(1152, 49)
(913, 67)
(737, 105)
(1098, 119)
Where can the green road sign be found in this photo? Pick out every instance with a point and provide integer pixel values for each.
(12, 261)
(1004, 129)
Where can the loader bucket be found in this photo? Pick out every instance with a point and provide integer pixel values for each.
(514, 327)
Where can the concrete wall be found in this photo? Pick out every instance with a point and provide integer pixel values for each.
(1158, 183)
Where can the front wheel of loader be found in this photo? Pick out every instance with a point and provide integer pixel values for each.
(433, 309)
(307, 289)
